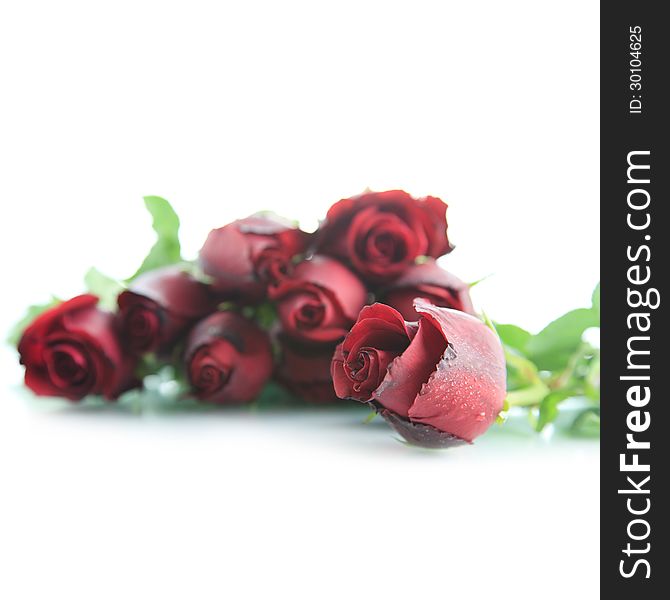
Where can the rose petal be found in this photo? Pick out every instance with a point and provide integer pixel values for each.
(411, 370)
(176, 291)
(210, 369)
(419, 434)
(98, 328)
(226, 258)
(372, 372)
(43, 323)
(237, 342)
(465, 394)
(380, 326)
(72, 369)
(145, 326)
(115, 368)
(367, 259)
(330, 236)
(435, 222)
(236, 255)
(37, 380)
(305, 370)
(341, 383)
(328, 274)
(428, 273)
(326, 323)
(428, 280)
(376, 333)
(77, 322)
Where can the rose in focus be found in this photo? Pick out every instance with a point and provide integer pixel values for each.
(381, 233)
(438, 381)
(228, 359)
(73, 350)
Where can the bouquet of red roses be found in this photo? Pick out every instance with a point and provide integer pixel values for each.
(358, 310)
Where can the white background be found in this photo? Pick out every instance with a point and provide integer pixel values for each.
(228, 108)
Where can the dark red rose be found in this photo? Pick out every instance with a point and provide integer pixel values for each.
(320, 301)
(381, 233)
(159, 306)
(228, 359)
(439, 381)
(429, 281)
(305, 370)
(246, 256)
(73, 350)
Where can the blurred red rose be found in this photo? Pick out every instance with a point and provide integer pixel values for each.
(381, 233)
(320, 301)
(73, 350)
(305, 370)
(438, 381)
(159, 306)
(427, 280)
(247, 255)
(228, 359)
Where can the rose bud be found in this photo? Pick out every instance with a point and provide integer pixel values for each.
(228, 359)
(439, 381)
(247, 255)
(159, 306)
(320, 301)
(72, 350)
(305, 370)
(429, 281)
(381, 233)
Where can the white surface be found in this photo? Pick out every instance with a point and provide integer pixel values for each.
(229, 108)
(286, 505)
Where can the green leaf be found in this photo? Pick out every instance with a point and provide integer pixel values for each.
(167, 249)
(488, 322)
(193, 269)
(34, 311)
(266, 315)
(370, 417)
(513, 336)
(148, 364)
(587, 423)
(521, 371)
(595, 301)
(103, 286)
(478, 281)
(592, 379)
(274, 395)
(549, 408)
(531, 395)
(552, 348)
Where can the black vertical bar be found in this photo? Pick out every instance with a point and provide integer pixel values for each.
(635, 42)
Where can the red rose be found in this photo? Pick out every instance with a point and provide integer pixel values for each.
(381, 233)
(73, 350)
(320, 301)
(429, 281)
(159, 306)
(247, 255)
(305, 370)
(439, 381)
(228, 359)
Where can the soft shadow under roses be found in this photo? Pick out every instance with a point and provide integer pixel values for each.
(161, 401)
